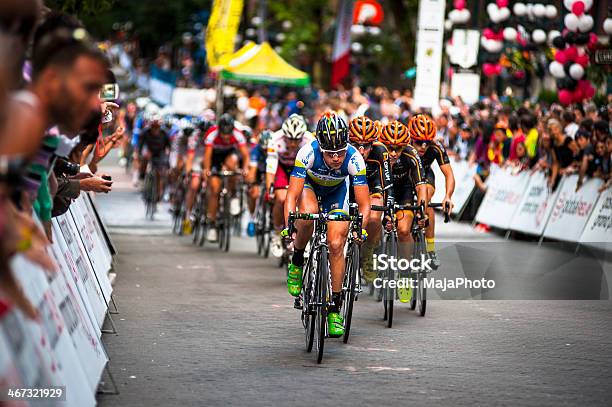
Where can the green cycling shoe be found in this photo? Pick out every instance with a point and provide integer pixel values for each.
(294, 280)
(335, 325)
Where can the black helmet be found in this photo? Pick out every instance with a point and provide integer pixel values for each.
(226, 124)
(332, 132)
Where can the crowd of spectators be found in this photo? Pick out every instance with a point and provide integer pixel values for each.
(54, 130)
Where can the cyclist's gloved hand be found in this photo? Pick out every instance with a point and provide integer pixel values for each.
(285, 234)
(364, 235)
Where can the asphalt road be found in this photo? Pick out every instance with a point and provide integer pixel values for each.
(198, 327)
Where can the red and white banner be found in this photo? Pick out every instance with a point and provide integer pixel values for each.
(504, 193)
(535, 207)
(572, 209)
(342, 43)
(598, 230)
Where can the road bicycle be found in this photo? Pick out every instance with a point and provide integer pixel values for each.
(316, 278)
(390, 248)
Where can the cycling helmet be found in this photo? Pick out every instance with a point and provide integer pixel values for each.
(294, 127)
(226, 124)
(394, 133)
(363, 130)
(264, 138)
(421, 128)
(332, 132)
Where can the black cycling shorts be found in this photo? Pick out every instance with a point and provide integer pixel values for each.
(430, 177)
(219, 157)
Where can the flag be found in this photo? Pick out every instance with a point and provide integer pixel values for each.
(342, 42)
(221, 31)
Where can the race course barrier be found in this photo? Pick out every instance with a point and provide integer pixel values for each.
(63, 346)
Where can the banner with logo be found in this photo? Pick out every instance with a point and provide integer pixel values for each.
(83, 333)
(55, 343)
(535, 207)
(80, 270)
(429, 46)
(504, 193)
(221, 31)
(189, 101)
(342, 42)
(464, 184)
(572, 209)
(599, 227)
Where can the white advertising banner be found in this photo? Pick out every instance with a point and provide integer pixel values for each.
(464, 51)
(599, 227)
(160, 91)
(55, 343)
(464, 183)
(572, 209)
(467, 86)
(429, 46)
(189, 101)
(535, 207)
(83, 333)
(81, 270)
(504, 192)
(94, 229)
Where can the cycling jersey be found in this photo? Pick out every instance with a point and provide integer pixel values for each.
(213, 139)
(222, 147)
(407, 172)
(156, 143)
(435, 151)
(280, 154)
(331, 185)
(378, 169)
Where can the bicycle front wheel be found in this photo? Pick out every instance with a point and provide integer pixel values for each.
(349, 288)
(322, 301)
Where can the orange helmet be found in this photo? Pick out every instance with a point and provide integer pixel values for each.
(363, 130)
(422, 127)
(394, 134)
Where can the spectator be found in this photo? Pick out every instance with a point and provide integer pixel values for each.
(569, 124)
(564, 149)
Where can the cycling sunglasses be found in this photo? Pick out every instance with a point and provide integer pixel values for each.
(335, 153)
(395, 149)
(365, 146)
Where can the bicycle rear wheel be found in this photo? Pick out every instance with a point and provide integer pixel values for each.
(389, 292)
(421, 290)
(349, 288)
(322, 301)
(310, 287)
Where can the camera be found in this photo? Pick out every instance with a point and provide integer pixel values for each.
(66, 167)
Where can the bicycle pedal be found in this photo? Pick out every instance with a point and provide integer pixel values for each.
(297, 303)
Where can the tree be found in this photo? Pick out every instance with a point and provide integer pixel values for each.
(310, 19)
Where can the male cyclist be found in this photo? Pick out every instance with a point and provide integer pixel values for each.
(282, 151)
(158, 146)
(257, 171)
(193, 166)
(221, 144)
(363, 134)
(407, 174)
(422, 133)
(324, 169)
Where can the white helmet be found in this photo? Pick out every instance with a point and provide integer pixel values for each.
(294, 127)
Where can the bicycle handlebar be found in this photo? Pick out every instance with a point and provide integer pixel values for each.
(334, 217)
(225, 173)
(414, 208)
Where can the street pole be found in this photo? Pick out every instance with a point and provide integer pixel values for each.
(261, 12)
